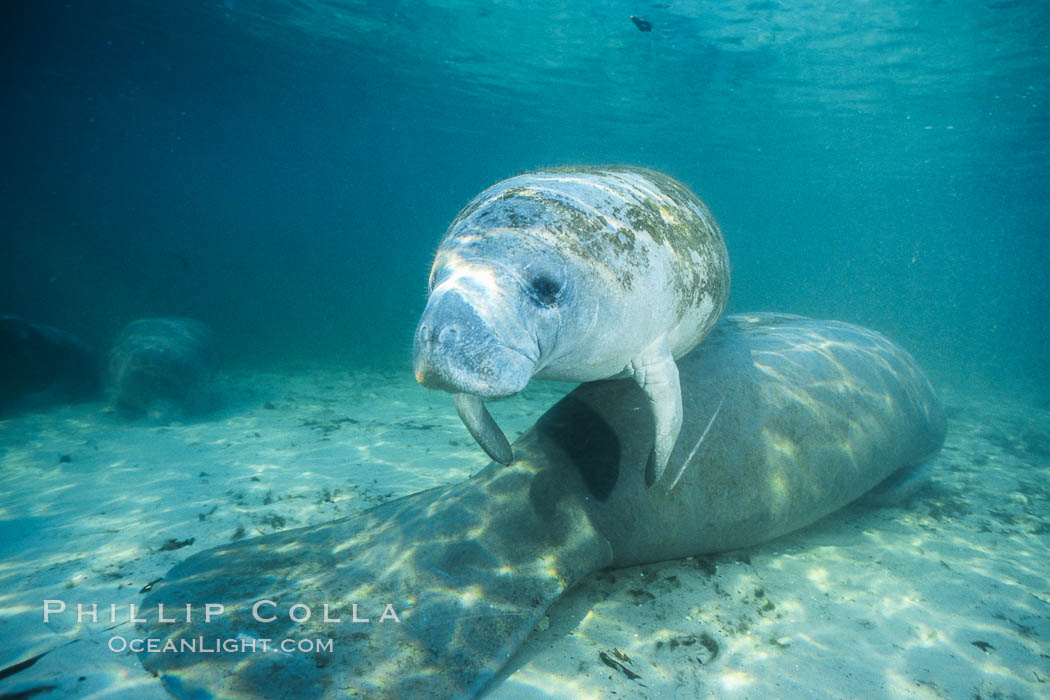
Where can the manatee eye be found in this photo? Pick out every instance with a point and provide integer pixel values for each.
(544, 290)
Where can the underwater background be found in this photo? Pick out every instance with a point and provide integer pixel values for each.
(283, 170)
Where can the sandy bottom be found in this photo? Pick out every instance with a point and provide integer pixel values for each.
(945, 596)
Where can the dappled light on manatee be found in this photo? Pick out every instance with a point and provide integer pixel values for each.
(469, 570)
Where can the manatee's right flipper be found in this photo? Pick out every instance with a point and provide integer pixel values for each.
(656, 373)
(482, 427)
(468, 569)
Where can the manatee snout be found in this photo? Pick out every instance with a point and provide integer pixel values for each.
(147, 377)
(456, 351)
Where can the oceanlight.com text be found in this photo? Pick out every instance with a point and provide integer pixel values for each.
(217, 645)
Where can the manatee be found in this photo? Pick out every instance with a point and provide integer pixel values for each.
(572, 274)
(807, 416)
(162, 368)
(41, 364)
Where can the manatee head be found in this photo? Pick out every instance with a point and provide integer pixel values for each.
(145, 376)
(496, 307)
(500, 303)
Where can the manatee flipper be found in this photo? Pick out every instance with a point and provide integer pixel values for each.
(656, 373)
(483, 427)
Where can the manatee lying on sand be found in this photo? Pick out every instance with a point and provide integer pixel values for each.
(40, 365)
(788, 418)
(573, 274)
(162, 368)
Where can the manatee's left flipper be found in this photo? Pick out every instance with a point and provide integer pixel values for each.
(483, 427)
(656, 372)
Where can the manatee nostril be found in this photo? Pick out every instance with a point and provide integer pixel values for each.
(424, 331)
(448, 335)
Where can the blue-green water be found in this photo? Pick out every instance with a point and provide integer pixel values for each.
(284, 170)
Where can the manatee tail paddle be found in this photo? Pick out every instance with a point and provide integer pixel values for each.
(468, 570)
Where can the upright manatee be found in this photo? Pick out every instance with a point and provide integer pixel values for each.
(162, 368)
(573, 274)
(807, 416)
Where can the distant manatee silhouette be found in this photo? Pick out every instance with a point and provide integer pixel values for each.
(41, 364)
(162, 368)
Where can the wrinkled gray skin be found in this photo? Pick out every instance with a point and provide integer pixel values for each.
(573, 274)
(161, 368)
(801, 417)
